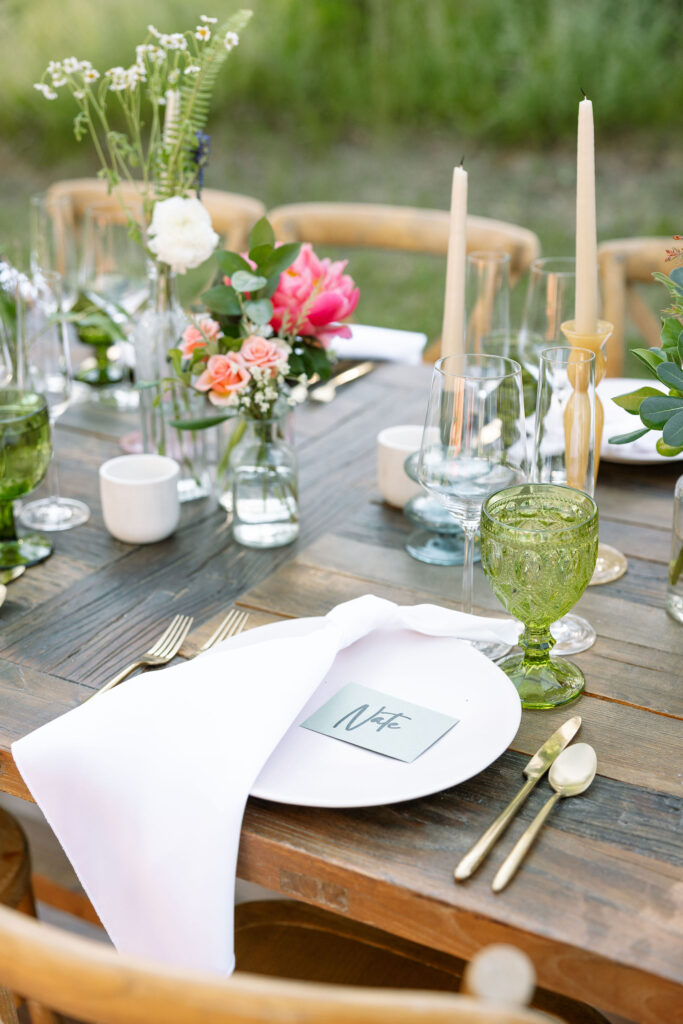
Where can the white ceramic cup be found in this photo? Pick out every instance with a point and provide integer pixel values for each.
(139, 496)
(394, 445)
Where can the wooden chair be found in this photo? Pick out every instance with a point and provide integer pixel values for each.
(624, 263)
(400, 228)
(90, 981)
(16, 892)
(232, 215)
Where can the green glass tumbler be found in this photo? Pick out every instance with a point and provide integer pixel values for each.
(25, 451)
(539, 544)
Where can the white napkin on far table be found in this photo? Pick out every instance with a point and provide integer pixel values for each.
(145, 786)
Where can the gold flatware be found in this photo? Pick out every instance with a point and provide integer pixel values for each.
(326, 392)
(535, 769)
(233, 623)
(163, 651)
(7, 575)
(570, 775)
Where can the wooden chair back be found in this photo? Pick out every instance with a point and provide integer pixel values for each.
(624, 263)
(406, 228)
(91, 982)
(233, 215)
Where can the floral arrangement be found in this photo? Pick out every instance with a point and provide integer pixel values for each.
(162, 102)
(274, 315)
(660, 410)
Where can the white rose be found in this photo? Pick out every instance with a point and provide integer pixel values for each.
(181, 234)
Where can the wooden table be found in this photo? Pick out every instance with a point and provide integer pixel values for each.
(598, 902)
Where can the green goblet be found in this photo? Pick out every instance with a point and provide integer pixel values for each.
(539, 544)
(24, 457)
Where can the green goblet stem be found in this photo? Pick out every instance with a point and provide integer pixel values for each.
(8, 530)
(537, 645)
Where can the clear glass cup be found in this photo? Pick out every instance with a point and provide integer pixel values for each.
(487, 302)
(43, 341)
(674, 595)
(24, 457)
(549, 302)
(539, 543)
(265, 492)
(564, 450)
(474, 443)
(52, 239)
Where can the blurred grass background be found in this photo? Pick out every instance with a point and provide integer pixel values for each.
(377, 99)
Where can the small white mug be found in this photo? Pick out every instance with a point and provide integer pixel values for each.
(139, 495)
(394, 445)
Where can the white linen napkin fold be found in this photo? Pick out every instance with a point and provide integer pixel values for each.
(145, 786)
(392, 344)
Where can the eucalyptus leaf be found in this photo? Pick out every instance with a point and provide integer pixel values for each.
(627, 438)
(632, 401)
(200, 424)
(282, 258)
(664, 449)
(650, 357)
(245, 281)
(259, 311)
(229, 262)
(671, 374)
(676, 276)
(261, 234)
(654, 412)
(260, 254)
(671, 332)
(222, 299)
(672, 434)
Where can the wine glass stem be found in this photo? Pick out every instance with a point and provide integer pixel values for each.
(8, 530)
(467, 568)
(53, 475)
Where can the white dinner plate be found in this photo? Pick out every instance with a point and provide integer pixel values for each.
(618, 421)
(318, 771)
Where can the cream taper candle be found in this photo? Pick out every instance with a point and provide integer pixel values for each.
(453, 334)
(586, 309)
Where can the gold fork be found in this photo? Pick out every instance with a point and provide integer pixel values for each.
(233, 623)
(163, 651)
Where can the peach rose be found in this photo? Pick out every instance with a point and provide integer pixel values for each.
(224, 377)
(197, 337)
(257, 351)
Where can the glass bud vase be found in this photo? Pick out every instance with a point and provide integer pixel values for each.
(674, 595)
(158, 329)
(265, 492)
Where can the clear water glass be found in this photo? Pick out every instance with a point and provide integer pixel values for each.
(674, 595)
(487, 302)
(549, 302)
(52, 240)
(474, 443)
(265, 490)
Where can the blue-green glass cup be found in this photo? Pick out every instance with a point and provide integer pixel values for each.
(539, 544)
(25, 451)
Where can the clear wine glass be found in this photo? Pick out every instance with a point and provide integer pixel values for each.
(52, 239)
(43, 344)
(549, 302)
(487, 302)
(564, 450)
(474, 443)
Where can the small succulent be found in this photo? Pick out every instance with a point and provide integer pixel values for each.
(657, 409)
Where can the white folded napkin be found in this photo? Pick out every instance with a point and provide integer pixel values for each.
(381, 343)
(145, 786)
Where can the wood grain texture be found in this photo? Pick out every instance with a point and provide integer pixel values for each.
(598, 902)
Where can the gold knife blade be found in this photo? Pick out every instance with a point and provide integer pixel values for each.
(534, 770)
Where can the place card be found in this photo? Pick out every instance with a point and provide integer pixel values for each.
(377, 721)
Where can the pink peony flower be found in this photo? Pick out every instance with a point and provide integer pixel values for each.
(312, 295)
(197, 337)
(223, 377)
(257, 351)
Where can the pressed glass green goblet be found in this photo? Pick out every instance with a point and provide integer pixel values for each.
(25, 451)
(539, 544)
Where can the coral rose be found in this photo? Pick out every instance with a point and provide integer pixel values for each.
(197, 337)
(223, 378)
(312, 295)
(257, 351)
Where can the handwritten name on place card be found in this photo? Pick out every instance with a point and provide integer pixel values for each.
(377, 721)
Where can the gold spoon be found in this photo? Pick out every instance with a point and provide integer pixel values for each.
(571, 774)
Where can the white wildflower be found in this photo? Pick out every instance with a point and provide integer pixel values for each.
(177, 41)
(192, 69)
(181, 234)
(71, 65)
(91, 75)
(154, 31)
(79, 94)
(84, 65)
(173, 76)
(47, 92)
(231, 40)
(203, 33)
(59, 80)
(54, 67)
(207, 20)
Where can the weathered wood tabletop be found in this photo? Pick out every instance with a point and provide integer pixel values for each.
(599, 902)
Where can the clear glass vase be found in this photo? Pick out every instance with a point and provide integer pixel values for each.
(265, 491)
(157, 330)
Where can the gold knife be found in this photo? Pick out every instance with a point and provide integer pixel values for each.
(535, 769)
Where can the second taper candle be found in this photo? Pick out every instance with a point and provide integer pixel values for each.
(453, 333)
(586, 309)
